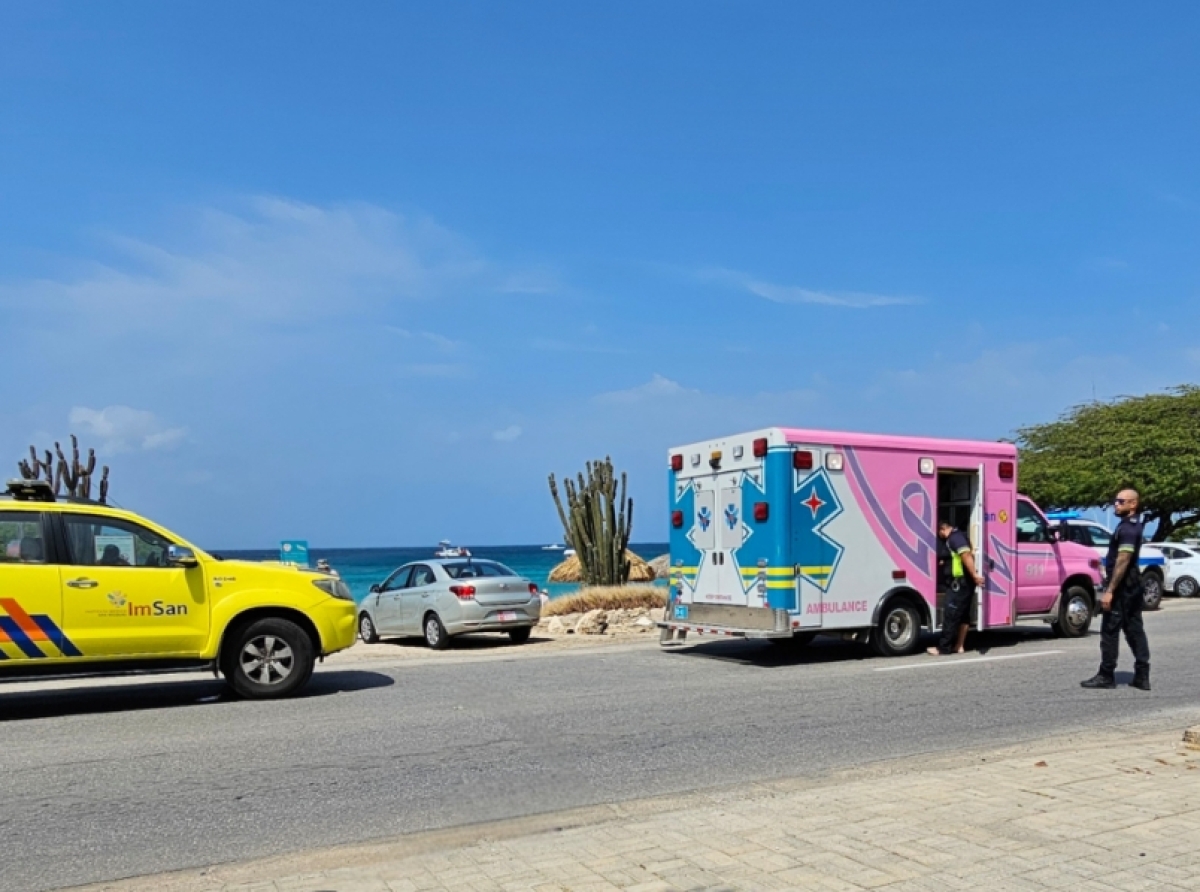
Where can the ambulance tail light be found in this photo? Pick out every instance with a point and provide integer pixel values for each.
(464, 592)
(802, 460)
(676, 462)
(760, 447)
(677, 519)
(762, 510)
(1006, 470)
(899, 575)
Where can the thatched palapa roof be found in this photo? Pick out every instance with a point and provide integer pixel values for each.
(571, 570)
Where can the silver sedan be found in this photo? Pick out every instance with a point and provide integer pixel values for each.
(438, 599)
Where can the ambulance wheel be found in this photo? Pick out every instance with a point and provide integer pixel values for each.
(798, 640)
(1074, 613)
(267, 658)
(1186, 587)
(899, 631)
(1152, 590)
(366, 629)
(435, 633)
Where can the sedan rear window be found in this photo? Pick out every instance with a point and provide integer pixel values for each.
(476, 569)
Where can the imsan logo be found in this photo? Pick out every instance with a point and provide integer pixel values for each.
(157, 608)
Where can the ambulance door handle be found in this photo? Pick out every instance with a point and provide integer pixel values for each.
(82, 583)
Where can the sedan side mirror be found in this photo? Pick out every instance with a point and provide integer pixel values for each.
(180, 556)
(375, 589)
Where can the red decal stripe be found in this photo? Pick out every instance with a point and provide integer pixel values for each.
(23, 619)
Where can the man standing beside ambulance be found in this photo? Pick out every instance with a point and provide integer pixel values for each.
(959, 577)
(1122, 600)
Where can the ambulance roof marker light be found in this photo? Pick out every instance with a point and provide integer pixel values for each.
(835, 461)
(926, 467)
(677, 462)
(760, 447)
(1007, 470)
(802, 460)
(695, 459)
(738, 452)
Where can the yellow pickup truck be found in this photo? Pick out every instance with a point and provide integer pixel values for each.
(89, 589)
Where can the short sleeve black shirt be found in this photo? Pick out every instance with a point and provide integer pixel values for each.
(1126, 537)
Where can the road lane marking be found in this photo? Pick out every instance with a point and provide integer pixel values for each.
(944, 662)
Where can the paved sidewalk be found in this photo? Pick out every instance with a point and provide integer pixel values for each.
(1118, 810)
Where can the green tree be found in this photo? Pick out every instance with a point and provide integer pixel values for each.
(1150, 443)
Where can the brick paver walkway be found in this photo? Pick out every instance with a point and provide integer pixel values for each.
(1118, 810)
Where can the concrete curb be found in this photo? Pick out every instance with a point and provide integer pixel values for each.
(1191, 737)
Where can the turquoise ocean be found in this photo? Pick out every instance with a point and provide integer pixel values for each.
(361, 567)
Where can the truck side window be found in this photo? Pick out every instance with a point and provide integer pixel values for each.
(111, 542)
(1030, 525)
(21, 540)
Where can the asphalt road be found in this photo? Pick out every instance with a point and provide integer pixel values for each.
(134, 778)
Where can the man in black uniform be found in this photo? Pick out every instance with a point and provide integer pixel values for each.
(958, 577)
(1123, 599)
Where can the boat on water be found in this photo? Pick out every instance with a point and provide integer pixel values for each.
(555, 547)
(446, 550)
(569, 553)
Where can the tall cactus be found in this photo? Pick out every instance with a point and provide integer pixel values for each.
(596, 522)
(75, 474)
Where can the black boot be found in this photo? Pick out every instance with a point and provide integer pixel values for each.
(1100, 680)
(1141, 679)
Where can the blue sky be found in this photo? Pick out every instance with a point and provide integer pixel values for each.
(365, 274)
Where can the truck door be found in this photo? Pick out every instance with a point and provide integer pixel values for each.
(979, 544)
(729, 538)
(998, 567)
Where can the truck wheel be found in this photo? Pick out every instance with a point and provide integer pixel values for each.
(1152, 590)
(1074, 613)
(366, 629)
(1186, 587)
(268, 658)
(798, 640)
(435, 633)
(899, 631)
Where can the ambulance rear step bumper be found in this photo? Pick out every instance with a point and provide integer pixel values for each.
(675, 627)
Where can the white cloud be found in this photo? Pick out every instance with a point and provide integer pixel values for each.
(510, 433)
(123, 429)
(267, 263)
(436, 370)
(792, 294)
(658, 387)
(441, 342)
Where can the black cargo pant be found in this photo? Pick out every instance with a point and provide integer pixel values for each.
(1125, 614)
(955, 611)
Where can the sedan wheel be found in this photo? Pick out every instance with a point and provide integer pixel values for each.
(366, 629)
(435, 633)
(1186, 587)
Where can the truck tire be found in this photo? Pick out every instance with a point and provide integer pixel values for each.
(267, 658)
(1186, 587)
(798, 640)
(1074, 613)
(1152, 590)
(898, 633)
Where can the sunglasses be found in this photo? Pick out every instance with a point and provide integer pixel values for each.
(1121, 501)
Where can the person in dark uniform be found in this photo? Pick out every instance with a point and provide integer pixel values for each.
(958, 577)
(1122, 599)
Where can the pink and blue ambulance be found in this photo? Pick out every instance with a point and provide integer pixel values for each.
(783, 534)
